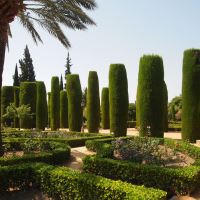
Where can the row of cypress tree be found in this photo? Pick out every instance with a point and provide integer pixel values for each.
(64, 107)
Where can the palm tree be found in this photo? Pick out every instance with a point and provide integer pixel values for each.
(48, 14)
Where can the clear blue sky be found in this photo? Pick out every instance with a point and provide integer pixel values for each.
(126, 29)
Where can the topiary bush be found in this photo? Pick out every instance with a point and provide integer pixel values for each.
(150, 96)
(41, 106)
(28, 92)
(191, 95)
(74, 94)
(55, 103)
(7, 97)
(93, 103)
(63, 110)
(16, 103)
(49, 108)
(165, 108)
(118, 97)
(105, 115)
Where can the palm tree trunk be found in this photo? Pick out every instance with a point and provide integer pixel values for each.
(3, 40)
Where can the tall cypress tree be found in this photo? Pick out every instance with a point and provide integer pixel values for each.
(68, 65)
(93, 103)
(27, 68)
(16, 77)
(61, 83)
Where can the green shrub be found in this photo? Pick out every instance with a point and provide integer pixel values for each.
(174, 181)
(7, 97)
(28, 97)
(16, 103)
(63, 110)
(165, 108)
(41, 106)
(105, 116)
(150, 96)
(62, 183)
(93, 103)
(118, 97)
(56, 153)
(49, 107)
(55, 103)
(74, 94)
(191, 95)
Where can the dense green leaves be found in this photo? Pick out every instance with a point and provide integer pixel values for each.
(63, 110)
(105, 115)
(74, 94)
(191, 95)
(28, 93)
(118, 97)
(55, 104)
(150, 96)
(93, 103)
(41, 106)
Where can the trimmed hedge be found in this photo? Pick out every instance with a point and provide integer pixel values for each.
(49, 109)
(74, 94)
(63, 110)
(181, 180)
(16, 103)
(93, 103)
(28, 97)
(73, 142)
(62, 183)
(58, 154)
(150, 96)
(118, 97)
(105, 115)
(191, 95)
(55, 103)
(41, 106)
(7, 97)
(165, 108)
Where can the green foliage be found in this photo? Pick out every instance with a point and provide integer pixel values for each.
(49, 152)
(93, 103)
(41, 106)
(150, 96)
(191, 95)
(175, 108)
(174, 181)
(63, 110)
(55, 103)
(68, 65)
(7, 97)
(61, 83)
(75, 185)
(61, 182)
(16, 104)
(105, 115)
(118, 97)
(27, 68)
(132, 112)
(16, 78)
(21, 112)
(74, 95)
(49, 109)
(165, 108)
(28, 93)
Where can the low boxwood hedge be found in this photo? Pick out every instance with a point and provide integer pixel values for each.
(64, 183)
(174, 181)
(58, 153)
(72, 142)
